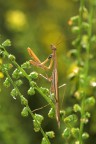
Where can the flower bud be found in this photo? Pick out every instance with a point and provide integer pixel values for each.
(11, 57)
(33, 84)
(24, 101)
(85, 25)
(51, 113)
(87, 114)
(39, 118)
(6, 43)
(24, 112)
(33, 75)
(37, 125)
(50, 134)
(37, 122)
(26, 65)
(31, 91)
(71, 119)
(75, 18)
(6, 83)
(6, 67)
(75, 29)
(75, 132)
(76, 108)
(14, 93)
(45, 90)
(19, 82)
(15, 74)
(85, 135)
(90, 101)
(84, 120)
(66, 133)
(44, 141)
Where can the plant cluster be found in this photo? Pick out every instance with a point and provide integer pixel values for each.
(79, 115)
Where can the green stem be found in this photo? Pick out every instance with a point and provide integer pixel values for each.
(42, 131)
(46, 98)
(80, 29)
(29, 110)
(15, 63)
(27, 77)
(86, 69)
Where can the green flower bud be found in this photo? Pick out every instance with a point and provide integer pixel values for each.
(31, 91)
(37, 125)
(14, 93)
(88, 115)
(75, 18)
(84, 42)
(33, 75)
(75, 29)
(16, 74)
(6, 67)
(33, 84)
(84, 120)
(51, 113)
(7, 83)
(21, 74)
(76, 108)
(19, 82)
(66, 133)
(24, 101)
(6, 43)
(50, 134)
(45, 90)
(85, 25)
(11, 57)
(44, 141)
(24, 112)
(26, 65)
(71, 119)
(85, 135)
(37, 122)
(85, 13)
(90, 101)
(39, 118)
(75, 132)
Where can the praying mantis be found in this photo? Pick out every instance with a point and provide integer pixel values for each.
(54, 78)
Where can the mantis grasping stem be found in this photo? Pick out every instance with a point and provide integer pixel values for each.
(54, 78)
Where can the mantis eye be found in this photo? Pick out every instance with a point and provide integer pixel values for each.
(50, 56)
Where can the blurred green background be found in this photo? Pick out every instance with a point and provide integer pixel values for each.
(35, 24)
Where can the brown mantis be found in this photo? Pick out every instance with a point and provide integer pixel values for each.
(54, 78)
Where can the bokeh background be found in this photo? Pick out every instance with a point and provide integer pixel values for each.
(35, 24)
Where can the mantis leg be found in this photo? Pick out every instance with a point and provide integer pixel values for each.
(38, 63)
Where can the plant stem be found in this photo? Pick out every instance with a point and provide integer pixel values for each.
(28, 108)
(80, 29)
(86, 68)
(46, 97)
(29, 79)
